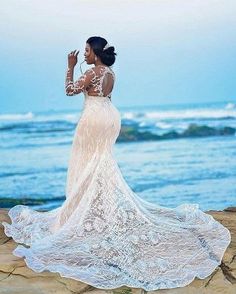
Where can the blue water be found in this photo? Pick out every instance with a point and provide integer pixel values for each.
(192, 159)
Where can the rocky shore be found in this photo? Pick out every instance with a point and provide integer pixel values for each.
(16, 277)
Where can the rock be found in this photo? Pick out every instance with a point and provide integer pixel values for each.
(17, 278)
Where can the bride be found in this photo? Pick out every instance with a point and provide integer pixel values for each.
(104, 234)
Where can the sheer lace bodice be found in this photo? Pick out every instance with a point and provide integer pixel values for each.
(96, 81)
(105, 234)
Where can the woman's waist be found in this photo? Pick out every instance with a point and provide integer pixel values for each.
(97, 97)
(98, 101)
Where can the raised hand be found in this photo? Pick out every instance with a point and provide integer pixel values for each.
(72, 58)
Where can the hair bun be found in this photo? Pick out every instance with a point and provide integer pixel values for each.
(102, 49)
(110, 50)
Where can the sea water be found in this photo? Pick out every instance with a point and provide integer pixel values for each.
(168, 154)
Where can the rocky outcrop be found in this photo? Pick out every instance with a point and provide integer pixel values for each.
(16, 277)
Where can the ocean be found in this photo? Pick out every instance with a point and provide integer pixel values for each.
(168, 154)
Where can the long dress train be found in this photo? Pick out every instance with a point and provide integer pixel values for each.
(104, 234)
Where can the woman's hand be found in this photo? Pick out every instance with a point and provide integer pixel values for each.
(72, 59)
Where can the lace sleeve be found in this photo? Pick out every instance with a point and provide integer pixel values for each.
(73, 88)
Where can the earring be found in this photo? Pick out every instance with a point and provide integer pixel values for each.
(95, 58)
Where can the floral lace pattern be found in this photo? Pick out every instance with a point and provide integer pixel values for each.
(106, 235)
(93, 79)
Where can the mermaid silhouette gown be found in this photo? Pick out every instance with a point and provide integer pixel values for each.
(104, 234)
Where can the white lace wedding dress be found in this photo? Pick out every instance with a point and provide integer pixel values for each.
(104, 234)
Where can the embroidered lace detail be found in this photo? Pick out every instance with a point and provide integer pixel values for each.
(98, 80)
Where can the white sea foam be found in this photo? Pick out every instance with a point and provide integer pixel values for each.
(192, 113)
(128, 115)
(230, 106)
(163, 125)
(143, 124)
(17, 116)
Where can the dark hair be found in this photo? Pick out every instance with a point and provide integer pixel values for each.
(107, 56)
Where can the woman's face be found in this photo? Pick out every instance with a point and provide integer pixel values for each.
(89, 54)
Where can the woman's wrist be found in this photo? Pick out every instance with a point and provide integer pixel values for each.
(69, 75)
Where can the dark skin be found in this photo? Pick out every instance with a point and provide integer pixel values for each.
(89, 57)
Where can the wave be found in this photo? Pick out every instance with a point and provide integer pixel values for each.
(6, 202)
(227, 111)
(16, 117)
(138, 124)
(193, 114)
(35, 144)
(39, 126)
(58, 126)
(5, 174)
(39, 117)
(230, 106)
(130, 134)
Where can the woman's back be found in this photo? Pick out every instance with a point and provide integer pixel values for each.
(102, 81)
(96, 81)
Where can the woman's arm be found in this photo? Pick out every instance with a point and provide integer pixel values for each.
(72, 88)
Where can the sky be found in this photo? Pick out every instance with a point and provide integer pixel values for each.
(168, 51)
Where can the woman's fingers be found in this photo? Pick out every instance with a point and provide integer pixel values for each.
(73, 53)
(72, 58)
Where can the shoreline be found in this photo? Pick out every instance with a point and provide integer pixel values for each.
(14, 273)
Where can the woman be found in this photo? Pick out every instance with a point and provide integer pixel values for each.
(104, 234)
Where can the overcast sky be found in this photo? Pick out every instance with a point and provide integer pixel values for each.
(168, 51)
